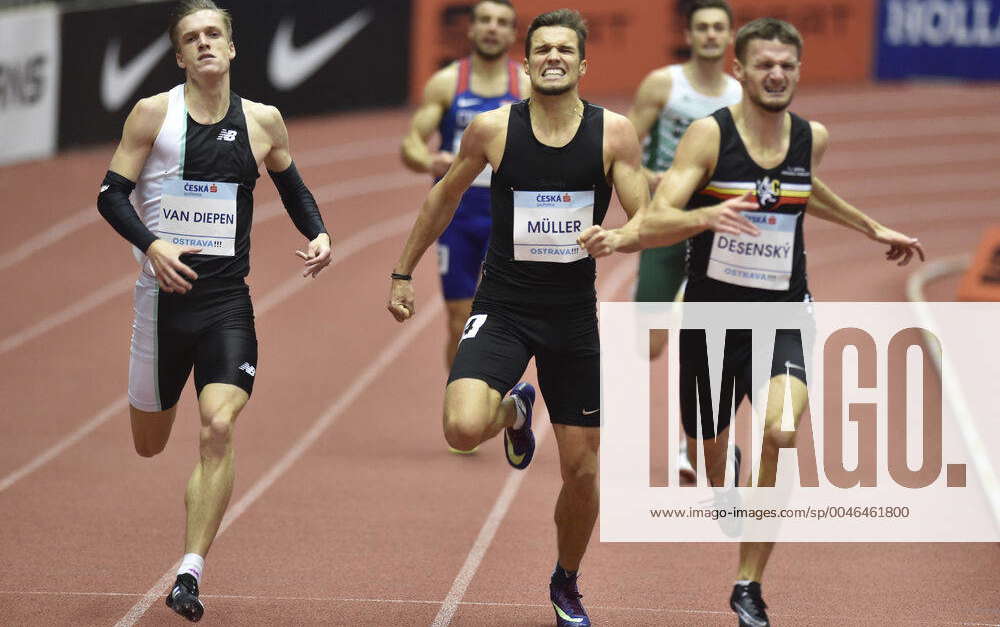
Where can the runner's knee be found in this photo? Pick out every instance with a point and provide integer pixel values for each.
(217, 433)
(148, 447)
(462, 430)
(580, 471)
(150, 430)
(776, 438)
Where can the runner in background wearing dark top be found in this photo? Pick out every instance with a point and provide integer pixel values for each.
(754, 156)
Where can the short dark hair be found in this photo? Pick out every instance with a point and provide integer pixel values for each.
(506, 3)
(560, 17)
(767, 28)
(185, 8)
(698, 5)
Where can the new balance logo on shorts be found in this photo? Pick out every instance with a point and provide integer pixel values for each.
(247, 368)
(226, 136)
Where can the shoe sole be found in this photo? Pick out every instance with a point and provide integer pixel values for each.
(743, 622)
(191, 611)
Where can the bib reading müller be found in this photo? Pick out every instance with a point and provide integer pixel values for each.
(542, 198)
(772, 265)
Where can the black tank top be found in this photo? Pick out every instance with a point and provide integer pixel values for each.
(771, 267)
(541, 199)
(221, 153)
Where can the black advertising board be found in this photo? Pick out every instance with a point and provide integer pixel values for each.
(303, 56)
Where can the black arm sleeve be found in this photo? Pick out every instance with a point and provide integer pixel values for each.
(115, 207)
(299, 202)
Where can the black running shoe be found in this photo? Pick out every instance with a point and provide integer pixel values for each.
(520, 443)
(183, 598)
(748, 605)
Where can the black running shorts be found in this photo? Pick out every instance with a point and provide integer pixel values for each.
(211, 328)
(737, 362)
(501, 338)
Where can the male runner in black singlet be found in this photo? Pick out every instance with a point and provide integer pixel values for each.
(192, 156)
(759, 157)
(555, 159)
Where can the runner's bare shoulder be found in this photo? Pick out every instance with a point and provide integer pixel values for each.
(701, 137)
(488, 124)
(266, 115)
(441, 86)
(147, 117)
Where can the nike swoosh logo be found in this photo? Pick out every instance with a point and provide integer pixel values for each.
(288, 66)
(789, 364)
(468, 102)
(119, 82)
(566, 617)
(517, 459)
(591, 412)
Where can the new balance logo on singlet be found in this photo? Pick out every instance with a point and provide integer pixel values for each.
(247, 368)
(226, 136)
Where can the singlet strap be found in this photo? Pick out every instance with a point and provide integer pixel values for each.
(464, 68)
(515, 84)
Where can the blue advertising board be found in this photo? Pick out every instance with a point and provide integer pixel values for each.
(938, 38)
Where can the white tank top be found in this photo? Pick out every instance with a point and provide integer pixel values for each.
(685, 105)
(165, 161)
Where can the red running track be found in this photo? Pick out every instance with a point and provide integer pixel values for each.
(347, 509)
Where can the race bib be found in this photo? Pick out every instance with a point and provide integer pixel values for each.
(764, 261)
(483, 178)
(199, 213)
(546, 225)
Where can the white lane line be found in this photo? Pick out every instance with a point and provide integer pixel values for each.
(116, 406)
(876, 157)
(348, 188)
(498, 604)
(485, 537)
(351, 188)
(85, 217)
(917, 214)
(375, 233)
(410, 332)
(916, 186)
(867, 130)
(618, 277)
(896, 101)
(349, 151)
(89, 302)
(953, 392)
(54, 233)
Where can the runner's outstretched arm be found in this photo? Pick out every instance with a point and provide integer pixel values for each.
(825, 204)
(440, 206)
